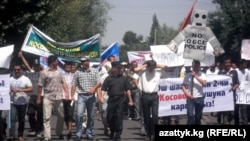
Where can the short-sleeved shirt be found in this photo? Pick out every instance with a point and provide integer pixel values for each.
(131, 77)
(235, 79)
(33, 76)
(149, 81)
(68, 79)
(84, 80)
(51, 81)
(116, 86)
(20, 98)
(197, 87)
(233, 74)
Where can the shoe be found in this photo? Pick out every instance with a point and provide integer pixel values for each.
(38, 135)
(143, 132)
(148, 139)
(137, 118)
(106, 131)
(111, 135)
(32, 133)
(69, 135)
(61, 137)
(20, 139)
(78, 139)
(90, 138)
(46, 139)
(11, 138)
(117, 139)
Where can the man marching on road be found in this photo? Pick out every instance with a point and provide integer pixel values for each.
(86, 81)
(115, 85)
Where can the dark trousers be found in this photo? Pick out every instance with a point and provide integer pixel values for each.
(150, 105)
(68, 111)
(35, 113)
(20, 111)
(1, 126)
(194, 110)
(115, 115)
(229, 116)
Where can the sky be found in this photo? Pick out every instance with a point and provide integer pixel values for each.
(137, 15)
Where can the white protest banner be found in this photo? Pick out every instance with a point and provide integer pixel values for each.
(5, 58)
(137, 56)
(4, 92)
(245, 49)
(243, 93)
(163, 55)
(172, 100)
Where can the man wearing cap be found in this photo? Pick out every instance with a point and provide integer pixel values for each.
(86, 82)
(115, 85)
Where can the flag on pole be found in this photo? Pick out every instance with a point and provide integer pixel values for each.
(113, 49)
(188, 17)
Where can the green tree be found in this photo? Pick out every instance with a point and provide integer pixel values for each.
(15, 17)
(72, 20)
(166, 34)
(62, 20)
(230, 24)
(130, 38)
(154, 31)
(132, 42)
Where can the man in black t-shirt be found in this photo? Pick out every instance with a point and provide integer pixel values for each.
(115, 85)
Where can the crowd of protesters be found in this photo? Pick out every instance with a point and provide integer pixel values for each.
(122, 90)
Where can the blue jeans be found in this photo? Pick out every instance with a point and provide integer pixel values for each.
(104, 111)
(135, 111)
(82, 103)
(196, 105)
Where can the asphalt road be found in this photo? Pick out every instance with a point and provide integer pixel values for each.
(131, 129)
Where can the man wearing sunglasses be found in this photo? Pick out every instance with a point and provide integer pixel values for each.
(20, 85)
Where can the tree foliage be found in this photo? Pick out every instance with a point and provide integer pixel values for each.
(154, 31)
(71, 20)
(15, 17)
(166, 34)
(62, 20)
(230, 24)
(134, 42)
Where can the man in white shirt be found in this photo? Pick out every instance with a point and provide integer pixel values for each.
(20, 85)
(148, 84)
(192, 87)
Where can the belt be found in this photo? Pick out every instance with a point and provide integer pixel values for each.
(134, 88)
(116, 96)
(150, 93)
(83, 94)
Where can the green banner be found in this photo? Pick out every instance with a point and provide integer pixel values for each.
(40, 44)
